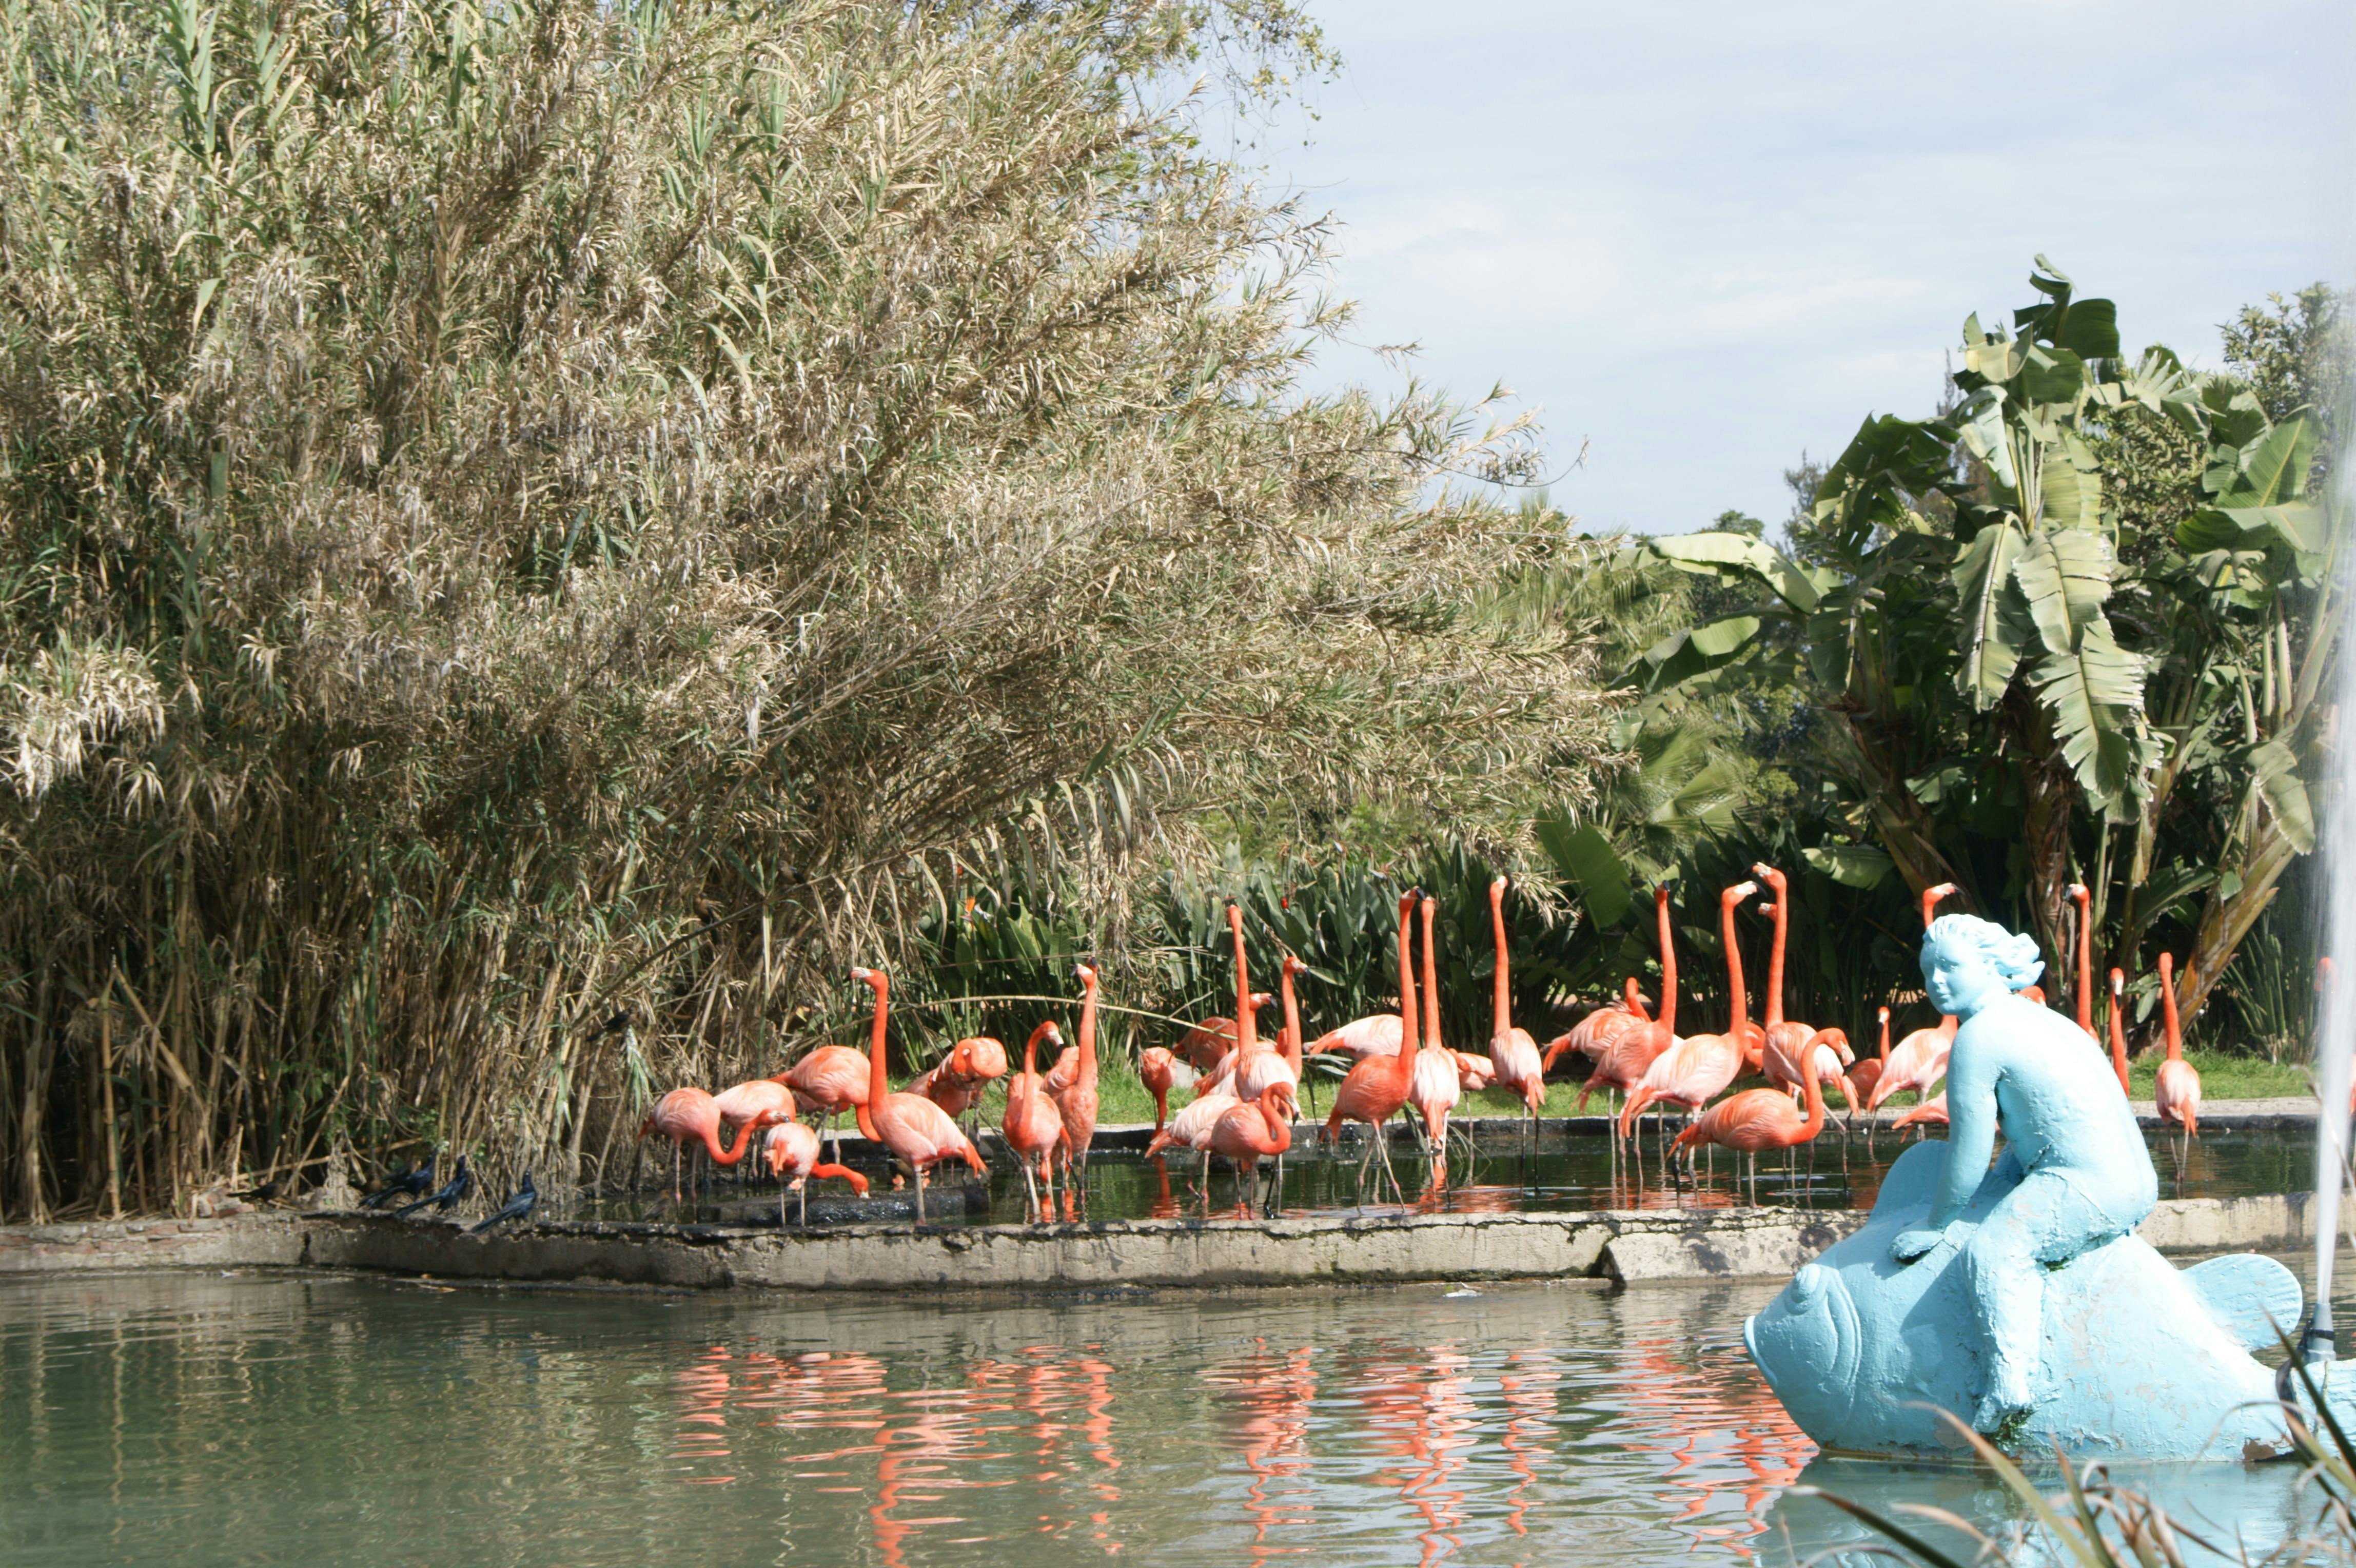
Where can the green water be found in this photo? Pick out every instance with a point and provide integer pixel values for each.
(200, 1419)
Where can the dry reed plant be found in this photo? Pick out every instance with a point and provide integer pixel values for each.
(533, 536)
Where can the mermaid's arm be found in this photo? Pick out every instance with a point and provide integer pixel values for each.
(1971, 1139)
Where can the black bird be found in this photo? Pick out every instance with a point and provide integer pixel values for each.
(414, 1182)
(517, 1207)
(443, 1201)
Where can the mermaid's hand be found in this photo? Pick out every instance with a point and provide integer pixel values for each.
(1912, 1245)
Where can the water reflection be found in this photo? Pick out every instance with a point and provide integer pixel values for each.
(262, 1421)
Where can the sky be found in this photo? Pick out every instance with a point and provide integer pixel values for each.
(1703, 237)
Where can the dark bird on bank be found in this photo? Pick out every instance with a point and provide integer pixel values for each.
(414, 1182)
(457, 1187)
(516, 1207)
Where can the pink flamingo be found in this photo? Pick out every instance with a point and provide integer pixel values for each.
(1193, 1126)
(1756, 1120)
(1076, 1100)
(1033, 1126)
(1376, 1088)
(1916, 1062)
(1624, 1064)
(1697, 1069)
(1931, 1113)
(1437, 1080)
(828, 1081)
(1251, 1129)
(791, 1150)
(2081, 896)
(1594, 1035)
(1511, 1050)
(919, 1134)
(1251, 1066)
(1207, 1044)
(1289, 1036)
(2118, 1034)
(1780, 1053)
(1158, 1071)
(686, 1115)
(758, 1097)
(956, 1082)
(2177, 1090)
(1864, 1075)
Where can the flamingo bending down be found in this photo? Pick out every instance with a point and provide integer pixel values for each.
(955, 1082)
(1376, 1088)
(1931, 1113)
(1864, 1075)
(919, 1134)
(1594, 1035)
(1758, 1118)
(1033, 1126)
(2118, 1034)
(758, 1097)
(1205, 1044)
(1158, 1071)
(690, 1115)
(1437, 1080)
(1696, 1069)
(791, 1150)
(828, 1081)
(1511, 1050)
(1781, 1056)
(1916, 1062)
(1076, 1102)
(1248, 1131)
(1624, 1065)
(2177, 1090)
(2085, 998)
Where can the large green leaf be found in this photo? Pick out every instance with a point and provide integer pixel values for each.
(1979, 426)
(2276, 771)
(1785, 577)
(1584, 856)
(1681, 656)
(2297, 526)
(2094, 696)
(2066, 576)
(1990, 646)
(2072, 496)
(1852, 864)
(2052, 375)
(2272, 469)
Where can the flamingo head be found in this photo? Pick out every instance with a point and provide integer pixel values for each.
(2118, 982)
(1088, 976)
(1292, 965)
(1738, 893)
(1838, 1039)
(2078, 891)
(1236, 919)
(1769, 876)
(872, 977)
(1261, 1000)
(646, 1127)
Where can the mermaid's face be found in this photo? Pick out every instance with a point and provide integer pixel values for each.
(1961, 982)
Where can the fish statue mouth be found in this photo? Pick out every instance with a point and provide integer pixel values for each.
(1813, 1325)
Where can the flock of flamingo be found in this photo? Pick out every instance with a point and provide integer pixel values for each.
(1247, 1100)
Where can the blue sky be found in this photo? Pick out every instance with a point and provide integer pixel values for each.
(1705, 236)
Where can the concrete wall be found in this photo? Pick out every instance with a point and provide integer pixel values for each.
(1627, 1247)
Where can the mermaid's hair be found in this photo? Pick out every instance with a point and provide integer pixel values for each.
(1956, 937)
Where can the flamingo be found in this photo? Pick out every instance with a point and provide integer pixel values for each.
(828, 1081)
(1207, 1044)
(1864, 1075)
(1511, 1050)
(1931, 1113)
(918, 1133)
(2080, 895)
(955, 1082)
(1623, 1064)
(1289, 1036)
(1437, 1080)
(1780, 1056)
(1594, 1035)
(1376, 1088)
(1076, 1100)
(1158, 1069)
(1698, 1067)
(1193, 1126)
(2118, 1034)
(1758, 1118)
(758, 1097)
(791, 1151)
(1248, 1130)
(1916, 1062)
(687, 1115)
(1033, 1126)
(2177, 1090)
(1251, 1066)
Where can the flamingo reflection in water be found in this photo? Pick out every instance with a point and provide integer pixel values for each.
(1274, 1393)
(1700, 1413)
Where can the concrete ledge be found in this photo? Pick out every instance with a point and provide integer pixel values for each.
(1628, 1247)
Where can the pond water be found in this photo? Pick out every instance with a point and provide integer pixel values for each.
(260, 1420)
(1556, 1173)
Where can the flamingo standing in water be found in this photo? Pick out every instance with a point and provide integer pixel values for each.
(1916, 1062)
(1594, 1035)
(1758, 1118)
(1782, 1056)
(1193, 1126)
(1158, 1069)
(791, 1151)
(1623, 1064)
(827, 1082)
(2177, 1090)
(919, 1134)
(1289, 1036)
(1033, 1126)
(1076, 1102)
(2080, 895)
(2118, 1034)
(1511, 1050)
(1697, 1069)
(1437, 1080)
(686, 1115)
(1251, 1129)
(1864, 1075)
(1376, 1088)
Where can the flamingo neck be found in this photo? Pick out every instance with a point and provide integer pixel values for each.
(1734, 966)
(1291, 1020)
(1812, 1087)
(878, 1084)
(1669, 963)
(2118, 1043)
(1885, 1035)
(1505, 993)
(1407, 997)
(2168, 1008)
(1088, 1031)
(1775, 958)
(1635, 1001)
(2085, 970)
(743, 1141)
(1430, 981)
(1247, 1016)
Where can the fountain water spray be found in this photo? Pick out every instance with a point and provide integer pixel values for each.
(2334, 1020)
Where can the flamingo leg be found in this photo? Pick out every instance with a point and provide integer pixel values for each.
(920, 1190)
(1030, 1192)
